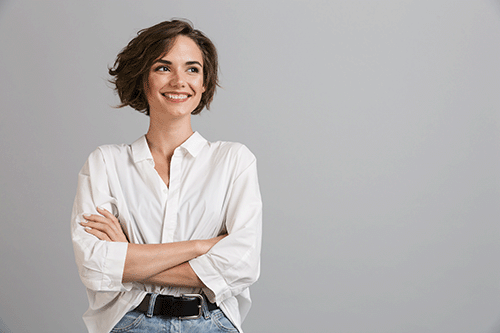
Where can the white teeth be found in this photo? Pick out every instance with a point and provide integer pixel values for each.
(177, 96)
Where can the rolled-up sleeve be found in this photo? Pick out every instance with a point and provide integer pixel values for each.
(233, 264)
(100, 263)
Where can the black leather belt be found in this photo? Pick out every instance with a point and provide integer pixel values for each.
(187, 306)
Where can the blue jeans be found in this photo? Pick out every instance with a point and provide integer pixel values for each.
(138, 322)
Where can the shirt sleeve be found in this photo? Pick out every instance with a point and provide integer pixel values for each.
(100, 263)
(233, 264)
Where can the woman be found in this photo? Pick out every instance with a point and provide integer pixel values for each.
(167, 230)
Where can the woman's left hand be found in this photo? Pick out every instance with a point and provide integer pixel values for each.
(105, 227)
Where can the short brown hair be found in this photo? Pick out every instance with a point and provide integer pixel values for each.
(132, 65)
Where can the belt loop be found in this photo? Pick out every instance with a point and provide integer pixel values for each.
(151, 307)
(204, 307)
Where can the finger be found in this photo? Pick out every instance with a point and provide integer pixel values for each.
(110, 216)
(111, 233)
(101, 227)
(107, 214)
(108, 224)
(98, 234)
(97, 218)
(104, 220)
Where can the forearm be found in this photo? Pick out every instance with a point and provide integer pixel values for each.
(147, 260)
(179, 276)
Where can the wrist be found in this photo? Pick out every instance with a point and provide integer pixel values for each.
(201, 247)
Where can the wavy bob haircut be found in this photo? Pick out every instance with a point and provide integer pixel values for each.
(132, 65)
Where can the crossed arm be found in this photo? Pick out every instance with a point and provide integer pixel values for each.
(159, 264)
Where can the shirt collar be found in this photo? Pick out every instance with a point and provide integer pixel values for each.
(193, 145)
(140, 150)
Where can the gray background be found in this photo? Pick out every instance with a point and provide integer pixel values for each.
(376, 128)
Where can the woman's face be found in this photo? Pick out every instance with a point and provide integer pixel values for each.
(175, 82)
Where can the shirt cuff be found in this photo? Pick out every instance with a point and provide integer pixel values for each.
(113, 267)
(219, 289)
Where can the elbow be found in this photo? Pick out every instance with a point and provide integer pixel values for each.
(91, 284)
(97, 281)
(251, 270)
(100, 264)
(254, 275)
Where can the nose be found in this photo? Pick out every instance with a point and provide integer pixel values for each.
(177, 79)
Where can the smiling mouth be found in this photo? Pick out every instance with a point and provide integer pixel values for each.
(176, 97)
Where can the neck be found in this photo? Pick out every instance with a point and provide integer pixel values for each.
(165, 135)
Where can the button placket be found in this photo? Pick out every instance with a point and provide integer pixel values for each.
(170, 222)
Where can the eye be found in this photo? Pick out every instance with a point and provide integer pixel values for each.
(162, 69)
(193, 70)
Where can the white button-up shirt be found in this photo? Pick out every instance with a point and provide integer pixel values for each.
(213, 189)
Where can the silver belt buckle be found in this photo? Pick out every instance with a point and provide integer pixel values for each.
(200, 311)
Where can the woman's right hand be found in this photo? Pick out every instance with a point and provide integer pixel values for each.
(207, 244)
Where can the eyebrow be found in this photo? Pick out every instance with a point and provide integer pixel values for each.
(187, 62)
